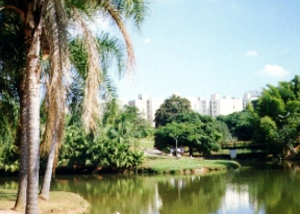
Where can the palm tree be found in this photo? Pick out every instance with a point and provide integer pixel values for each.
(46, 24)
(109, 48)
(12, 83)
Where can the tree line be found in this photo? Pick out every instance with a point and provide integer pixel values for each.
(272, 121)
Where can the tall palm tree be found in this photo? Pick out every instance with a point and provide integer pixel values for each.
(109, 48)
(46, 24)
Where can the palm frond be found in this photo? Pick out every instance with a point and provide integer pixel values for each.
(91, 103)
(136, 10)
(56, 34)
(111, 9)
(111, 50)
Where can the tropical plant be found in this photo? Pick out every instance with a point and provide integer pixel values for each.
(46, 24)
(114, 147)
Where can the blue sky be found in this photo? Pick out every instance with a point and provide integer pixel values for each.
(201, 47)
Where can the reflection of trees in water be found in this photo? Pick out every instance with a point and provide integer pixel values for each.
(274, 191)
(193, 195)
(128, 195)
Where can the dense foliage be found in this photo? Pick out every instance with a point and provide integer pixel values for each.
(114, 147)
(177, 123)
(169, 110)
(240, 124)
(274, 120)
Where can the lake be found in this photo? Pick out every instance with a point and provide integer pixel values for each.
(259, 189)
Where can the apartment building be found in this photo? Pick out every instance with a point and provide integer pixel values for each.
(153, 104)
(214, 106)
(203, 106)
(224, 105)
(249, 96)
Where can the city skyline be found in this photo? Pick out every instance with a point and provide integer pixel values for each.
(202, 47)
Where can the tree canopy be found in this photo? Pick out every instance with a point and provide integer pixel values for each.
(187, 128)
(170, 109)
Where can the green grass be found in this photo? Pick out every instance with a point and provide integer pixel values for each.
(165, 164)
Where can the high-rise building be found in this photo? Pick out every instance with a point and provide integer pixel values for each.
(214, 106)
(225, 105)
(153, 104)
(249, 96)
(203, 106)
(194, 103)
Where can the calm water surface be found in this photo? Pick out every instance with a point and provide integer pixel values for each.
(249, 190)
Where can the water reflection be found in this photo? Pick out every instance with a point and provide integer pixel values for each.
(191, 194)
(264, 191)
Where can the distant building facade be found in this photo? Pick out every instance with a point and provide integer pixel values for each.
(249, 96)
(225, 105)
(214, 106)
(141, 104)
(153, 104)
(147, 106)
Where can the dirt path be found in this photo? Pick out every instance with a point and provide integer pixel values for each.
(153, 152)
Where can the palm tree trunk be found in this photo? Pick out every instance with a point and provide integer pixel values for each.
(48, 174)
(33, 135)
(21, 198)
(33, 36)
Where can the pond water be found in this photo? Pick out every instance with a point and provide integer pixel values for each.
(258, 190)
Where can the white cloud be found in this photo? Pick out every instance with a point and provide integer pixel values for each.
(273, 71)
(147, 40)
(251, 53)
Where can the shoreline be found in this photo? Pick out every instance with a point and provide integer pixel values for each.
(184, 165)
(60, 202)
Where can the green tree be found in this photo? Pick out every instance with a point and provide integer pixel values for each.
(169, 110)
(191, 129)
(279, 109)
(240, 124)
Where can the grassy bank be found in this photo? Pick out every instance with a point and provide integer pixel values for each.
(60, 202)
(158, 162)
(185, 165)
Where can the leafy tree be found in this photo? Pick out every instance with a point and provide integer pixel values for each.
(279, 110)
(169, 110)
(172, 134)
(194, 130)
(240, 124)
